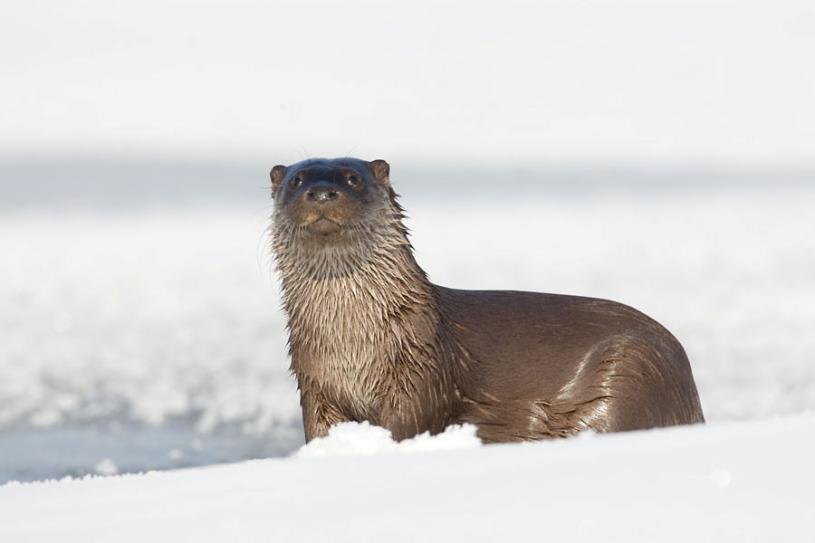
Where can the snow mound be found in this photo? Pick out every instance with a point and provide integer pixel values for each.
(364, 439)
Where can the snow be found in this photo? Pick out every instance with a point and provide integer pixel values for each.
(354, 439)
(738, 481)
(106, 467)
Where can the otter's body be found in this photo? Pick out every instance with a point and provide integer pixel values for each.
(372, 339)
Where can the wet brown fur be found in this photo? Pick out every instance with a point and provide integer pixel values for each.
(371, 339)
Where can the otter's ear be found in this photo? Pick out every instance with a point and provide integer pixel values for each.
(381, 171)
(277, 174)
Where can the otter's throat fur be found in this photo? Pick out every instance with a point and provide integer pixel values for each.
(365, 331)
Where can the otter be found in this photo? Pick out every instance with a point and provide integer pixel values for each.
(372, 339)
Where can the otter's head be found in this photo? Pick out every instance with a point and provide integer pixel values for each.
(334, 211)
(326, 197)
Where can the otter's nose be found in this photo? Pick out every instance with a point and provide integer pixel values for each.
(322, 194)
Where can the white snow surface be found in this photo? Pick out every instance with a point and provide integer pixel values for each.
(741, 482)
(137, 340)
(354, 439)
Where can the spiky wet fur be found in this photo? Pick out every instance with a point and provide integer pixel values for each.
(364, 325)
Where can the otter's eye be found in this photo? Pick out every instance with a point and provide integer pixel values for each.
(353, 181)
(296, 182)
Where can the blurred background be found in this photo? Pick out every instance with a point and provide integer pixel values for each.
(659, 153)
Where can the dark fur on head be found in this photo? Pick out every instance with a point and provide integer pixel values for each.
(369, 218)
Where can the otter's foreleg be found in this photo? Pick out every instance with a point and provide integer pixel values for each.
(318, 414)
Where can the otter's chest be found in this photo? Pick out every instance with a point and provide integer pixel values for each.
(351, 379)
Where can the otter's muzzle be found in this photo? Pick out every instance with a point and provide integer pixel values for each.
(324, 207)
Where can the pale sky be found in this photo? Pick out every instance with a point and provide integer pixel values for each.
(594, 80)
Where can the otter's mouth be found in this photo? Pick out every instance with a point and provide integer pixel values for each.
(324, 226)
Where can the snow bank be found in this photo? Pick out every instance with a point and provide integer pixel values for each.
(747, 481)
(359, 439)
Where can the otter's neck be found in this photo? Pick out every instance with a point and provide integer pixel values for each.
(355, 303)
(366, 333)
